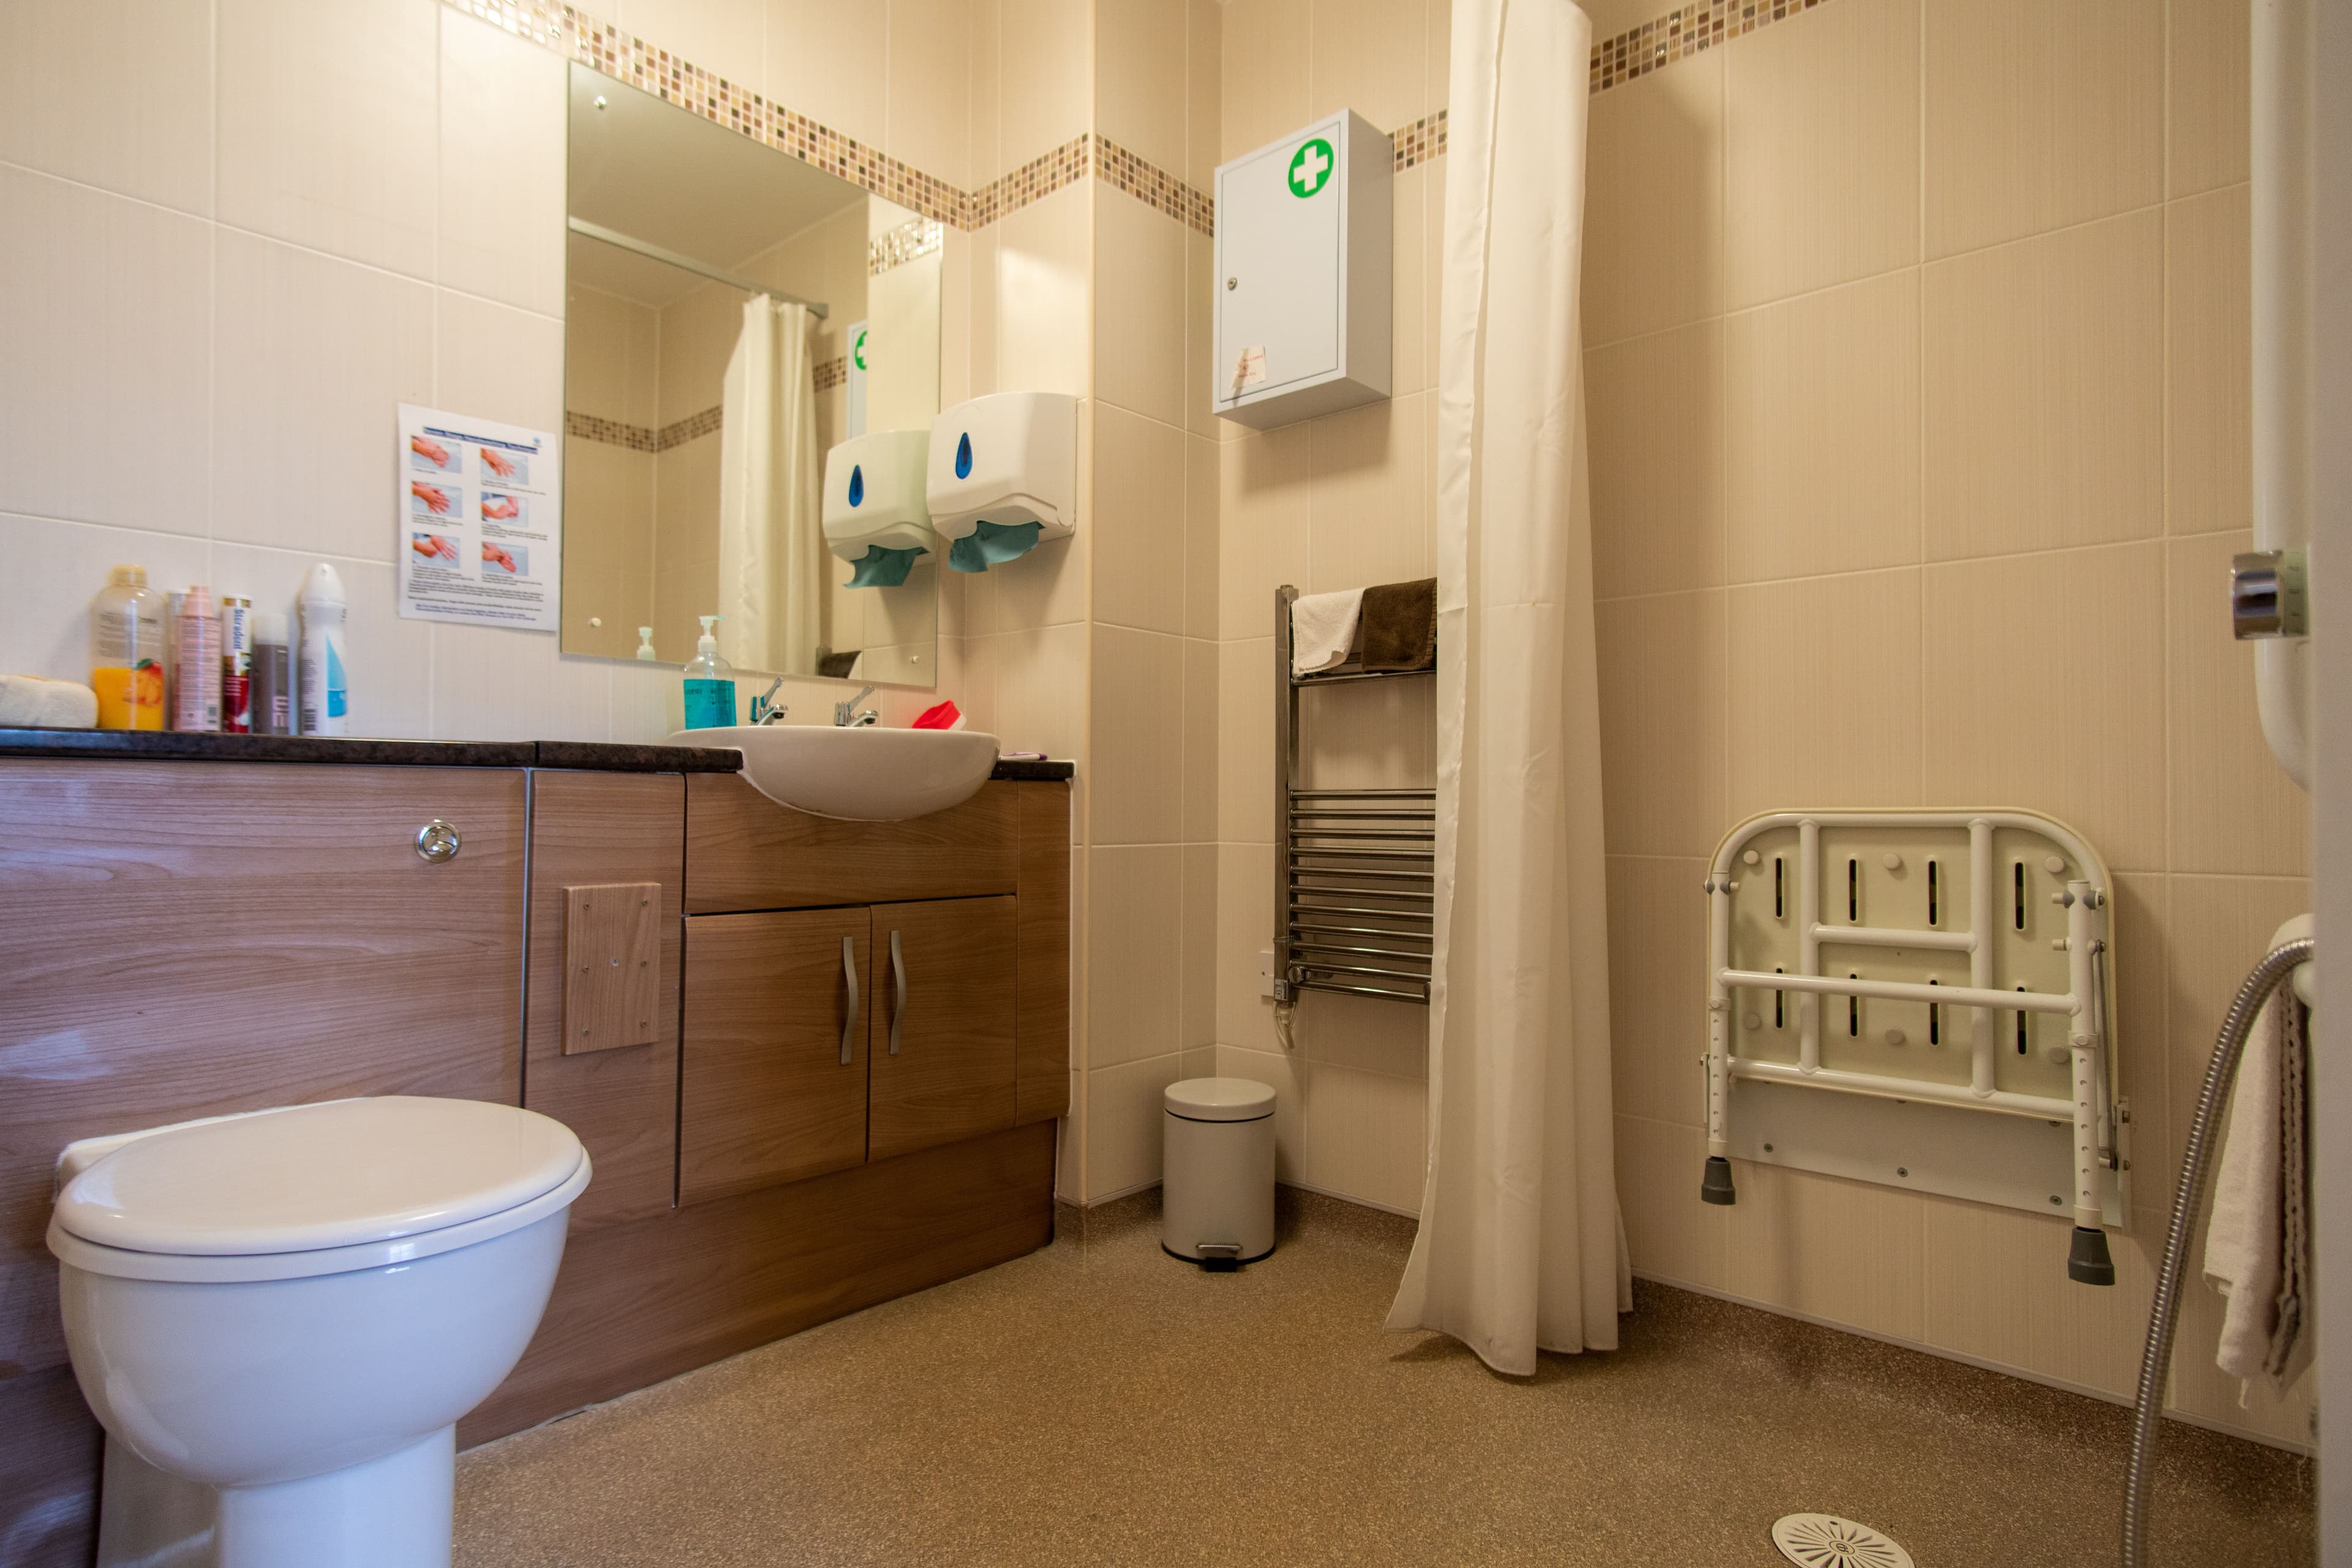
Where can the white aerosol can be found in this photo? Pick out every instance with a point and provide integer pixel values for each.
(325, 687)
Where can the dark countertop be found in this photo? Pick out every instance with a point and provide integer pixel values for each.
(596, 755)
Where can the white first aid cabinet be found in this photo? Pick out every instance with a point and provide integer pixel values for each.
(1302, 285)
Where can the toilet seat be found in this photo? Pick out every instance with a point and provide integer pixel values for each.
(315, 1189)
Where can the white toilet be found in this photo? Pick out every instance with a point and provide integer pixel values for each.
(279, 1317)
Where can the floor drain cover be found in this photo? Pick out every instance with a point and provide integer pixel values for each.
(1825, 1541)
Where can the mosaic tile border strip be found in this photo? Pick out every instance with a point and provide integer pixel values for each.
(909, 241)
(1034, 181)
(1154, 187)
(639, 437)
(1420, 142)
(1689, 30)
(829, 374)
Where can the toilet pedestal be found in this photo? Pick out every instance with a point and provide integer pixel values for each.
(392, 1512)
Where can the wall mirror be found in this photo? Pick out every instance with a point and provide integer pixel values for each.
(732, 313)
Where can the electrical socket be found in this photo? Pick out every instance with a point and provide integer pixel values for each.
(1265, 971)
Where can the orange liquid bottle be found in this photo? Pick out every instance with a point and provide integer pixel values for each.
(126, 651)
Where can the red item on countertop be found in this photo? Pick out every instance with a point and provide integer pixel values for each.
(946, 716)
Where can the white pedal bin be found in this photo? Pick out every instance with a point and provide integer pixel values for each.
(1217, 1193)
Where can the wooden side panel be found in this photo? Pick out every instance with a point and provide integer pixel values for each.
(638, 1303)
(765, 1094)
(744, 851)
(585, 828)
(1043, 1090)
(611, 965)
(953, 1074)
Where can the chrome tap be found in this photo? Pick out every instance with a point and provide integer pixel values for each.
(847, 715)
(765, 709)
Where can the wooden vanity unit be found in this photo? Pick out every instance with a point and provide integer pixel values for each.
(817, 1064)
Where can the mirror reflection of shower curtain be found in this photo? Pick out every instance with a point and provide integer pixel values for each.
(772, 557)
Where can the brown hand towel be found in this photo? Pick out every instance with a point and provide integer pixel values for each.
(1400, 626)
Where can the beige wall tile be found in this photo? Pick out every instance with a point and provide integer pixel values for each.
(1440, 63)
(2142, 915)
(1204, 66)
(2234, 807)
(1655, 431)
(609, 507)
(2042, 691)
(987, 160)
(1245, 927)
(1611, 17)
(1124, 1113)
(1046, 93)
(1245, 740)
(1360, 1136)
(1199, 334)
(568, 699)
(1135, 952)
(1197, 1007)
(1671, 1235)
(1044, 261)
(1041, 690)
(326, 135)
(1996, 1290)
(72, 556)
(1276, 1070)
(498, 362)
(1137, 737)
(1653, 205)
(1262, 508)
(2039, 116)
(2209, 362)
(1363, 1034)
(612, 357)
(1199, 809)
(1662, 721)
(728, 38)
(1369, 56)
(1379, 736)
(1852, 1252)
(1139, 545)
(1265, 94)
(1201, 586)
(1657, 987)
(503, 108)
(1411, 367)
(108, 94)
(1822, 432)
(1141, 99)
(1824, 694)
(829, 62)
(2045, 391)
(1140, 268)
(2209, 63)
(928, 91)
(1822, 128)
(1367, 477)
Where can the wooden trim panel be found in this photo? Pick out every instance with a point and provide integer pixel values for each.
(745, 852)
(1043, 1075)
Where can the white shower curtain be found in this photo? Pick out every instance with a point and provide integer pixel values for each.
(1519, 1247)
(772, 556)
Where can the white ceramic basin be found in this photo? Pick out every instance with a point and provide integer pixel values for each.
(865, 776)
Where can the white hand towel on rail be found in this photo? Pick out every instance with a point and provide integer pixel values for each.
(2254, 1243)
(1322, 629)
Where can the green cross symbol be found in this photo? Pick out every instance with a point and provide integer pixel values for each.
(1310, 167)
(857, 352)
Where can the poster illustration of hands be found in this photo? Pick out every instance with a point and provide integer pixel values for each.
(481, 540)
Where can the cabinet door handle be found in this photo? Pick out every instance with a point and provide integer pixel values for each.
(438, 841)
(898, 980)
(849, 973)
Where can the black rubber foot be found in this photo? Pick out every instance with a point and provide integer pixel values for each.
(2087, 1262)
(1715, 1187)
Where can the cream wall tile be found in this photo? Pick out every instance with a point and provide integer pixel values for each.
(1852, 1252)
(1379, 736)
(1367, 481)
(1440, 51)
(1412, 368)
(2210, 68)
(2209, 362)
(648, 702)
(489, 680)
(1662, 668)
(1432, 270)
(608, 549)
(1369, 56)
(1041, 690)
(985, 311)
(1657, 986)
(1611, 17)
(2039, 116)
(612, 357)
(1671, 1235)
(2045, 391)
(503, 110)
(311, 357)
(2234, 807)
(106, 307)
(48, 635)
(1822, 127)
(732, 39)
(1139, 268)
(1048, 585)
(929, 88)
(500, 363)
(1140, 537)
(1201, 587)
(1265, 94)
(1824, 694)
(1203, 91)
(1134, 952)
(1124, 1114)
(987, 95)
(1996, 1290)
(1280, 1073)
(1653, 203)
(1245, 740)
(2142, 916)
(392, 661)
(1821, 421)
(1043, 261)
(1360, 1136)
(327, 126)
(1200, 332)
(1654, 412)
(955, 317)
(2003, 724)
(1141, 47)
(1197, 1007)
(1364, 1035)
(1048, 74)
(828, 61)
(1262, 521)
(115, 94)
(1137, 734)
(1199, 810)
(1244, 928)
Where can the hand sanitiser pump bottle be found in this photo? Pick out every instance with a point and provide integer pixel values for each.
(710, 683)
(325, 687)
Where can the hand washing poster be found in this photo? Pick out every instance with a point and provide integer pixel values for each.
(481, 540)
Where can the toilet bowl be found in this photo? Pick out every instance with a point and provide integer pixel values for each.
(279, 1317)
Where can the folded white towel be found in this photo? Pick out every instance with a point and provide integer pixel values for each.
(1323, 628)
(36, 703)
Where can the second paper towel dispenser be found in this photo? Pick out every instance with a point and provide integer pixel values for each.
(1004, 476)
(874, 512)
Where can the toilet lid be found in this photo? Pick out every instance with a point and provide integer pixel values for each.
(1218, 1099)
(313, 1177)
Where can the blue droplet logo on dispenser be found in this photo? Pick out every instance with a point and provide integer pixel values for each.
(857, 485)
(964, 456)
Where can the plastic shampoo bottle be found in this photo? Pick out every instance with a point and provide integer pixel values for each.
(325, 689)
(710, 683)
(126, 652)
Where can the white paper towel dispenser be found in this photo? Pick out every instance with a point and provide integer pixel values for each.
(1004, 476)
(874, 515)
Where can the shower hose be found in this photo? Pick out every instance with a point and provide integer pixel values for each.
(2275, 966)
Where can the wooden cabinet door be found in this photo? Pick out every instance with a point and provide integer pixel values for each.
(946, 1001)
(775, 1041)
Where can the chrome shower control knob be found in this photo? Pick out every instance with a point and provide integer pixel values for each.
(2267, 595)
(438, 841)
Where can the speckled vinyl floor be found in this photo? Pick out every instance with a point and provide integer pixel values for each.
(1102, 1403)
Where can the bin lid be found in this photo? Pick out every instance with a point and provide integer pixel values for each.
(1219, 1100)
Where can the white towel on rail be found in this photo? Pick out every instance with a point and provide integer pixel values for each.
(1323, 628)
(2254, 1242)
